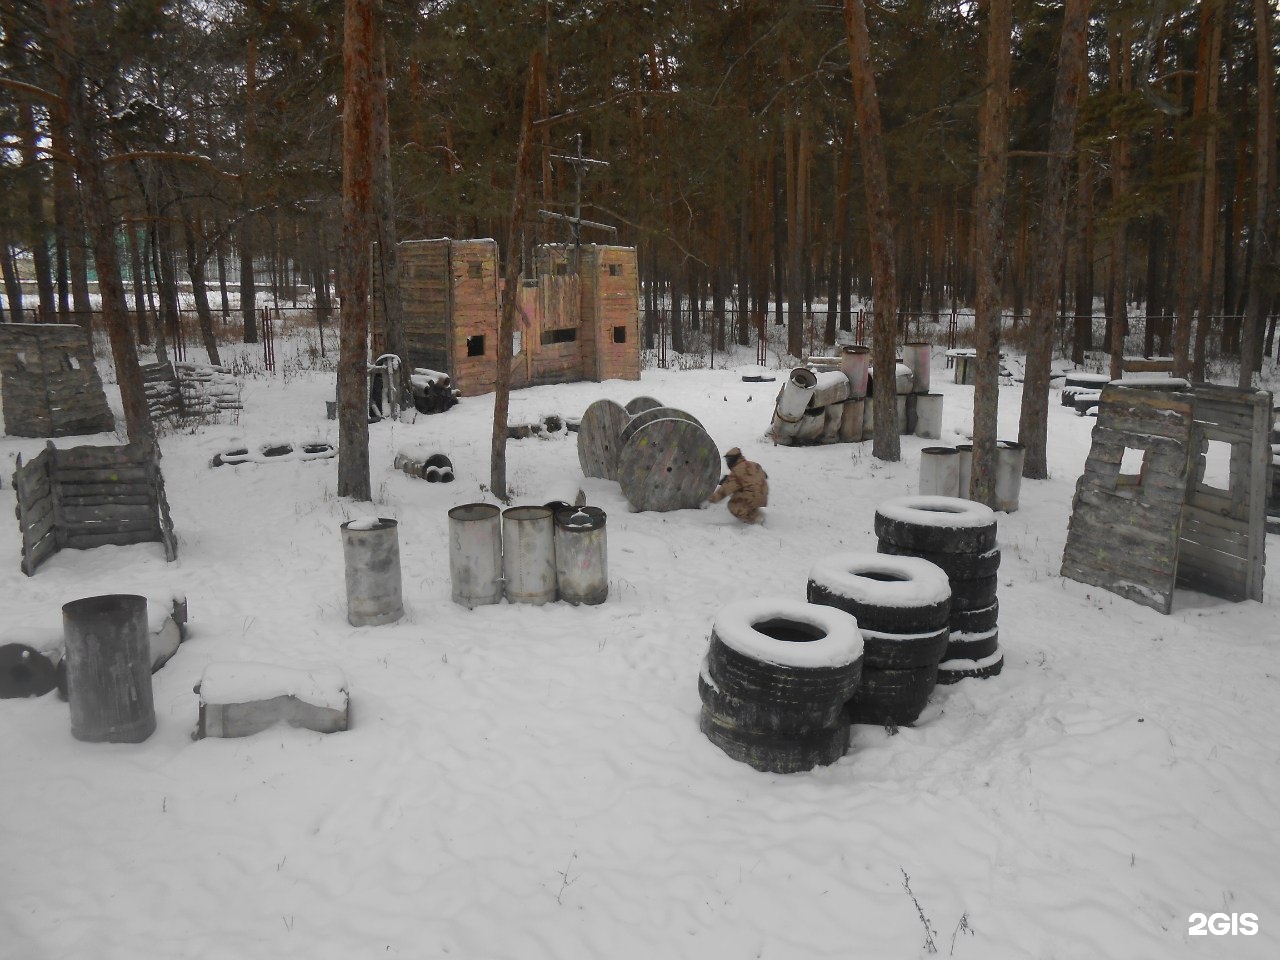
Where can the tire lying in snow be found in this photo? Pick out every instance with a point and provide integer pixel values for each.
(972, 646)
(892, 697)
(902, 651)
(774, 682)
(972, 595)
(953, 671)
(975, 621)
(936, 524)
(957, 566)
(886, 594)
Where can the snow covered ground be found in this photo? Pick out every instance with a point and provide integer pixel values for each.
(530, 782)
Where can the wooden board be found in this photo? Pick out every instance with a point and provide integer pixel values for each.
(600, 439)
(646, 417)
(641, 404)
(669, 465)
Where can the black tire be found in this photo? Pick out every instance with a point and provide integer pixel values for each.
(892, 697)
(769, 718)
(438, 460)
(972, 646)
(779, 687)
(980, 670)
(982, 620)
(957, 566)
(967, 595)
(885, 594)
(774, 754)
(888, 651)
(937, 524)
(24, 672)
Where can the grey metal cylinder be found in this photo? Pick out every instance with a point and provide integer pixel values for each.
(108, 655)
(371, 549)
(916, 355)
(929, 415)
(966, 468)
(851, 419)
(1009, 460)
(855, 363)
(795, 394)
(939, 472)
(528, 555)
(582, 564)
(475, 554)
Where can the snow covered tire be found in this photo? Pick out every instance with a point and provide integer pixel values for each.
(771, 753)
(889, 651)
(885, 594)
(957, 566)
(967, 595)
(972, 646)
(768, 717)
(892, 697)
(981, 620)
(954, 671)
(936, 524)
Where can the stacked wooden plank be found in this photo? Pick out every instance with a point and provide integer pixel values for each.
(86, 497)
(177, 391)
(50, 383)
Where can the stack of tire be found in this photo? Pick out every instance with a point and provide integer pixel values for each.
(775, 681)
(959, 536)
(902, 605)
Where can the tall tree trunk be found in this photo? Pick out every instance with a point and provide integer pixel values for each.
(200, 291)
(1082, 324)
(12, 285)
(885, 444)
(135, 277)
(82, 135)
(387, 251)
(1209, 215)
(511, 283)
(1263, 234)
(37, 223)
(1118, 315)
(245, 236)
(1033, 423)
(220, 251)
(358, 231)
(993, 160)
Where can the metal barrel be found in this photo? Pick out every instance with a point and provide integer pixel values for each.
(528, 555)
(475, 554)
(1009, 459)
(939, 472)
(929, 415)
(108, 655)
(582, 566)
(371, 551)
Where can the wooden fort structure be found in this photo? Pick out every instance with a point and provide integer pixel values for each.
(1174, 493)
(581, 324)
(50, 385)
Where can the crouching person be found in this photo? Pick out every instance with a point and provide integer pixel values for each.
(746, 486)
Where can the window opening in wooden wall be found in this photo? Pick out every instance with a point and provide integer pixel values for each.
(619, 334)
(615, 269)
(563, 335)
(1132, 463)
(475, 271)
(475, 345)
(562, 269)
(1217, 465)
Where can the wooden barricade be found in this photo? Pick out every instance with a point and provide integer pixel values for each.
(85, 497)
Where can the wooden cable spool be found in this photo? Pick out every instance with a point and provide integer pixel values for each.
(600, 439)
(647, 417)
(640, 404)
(669, 465)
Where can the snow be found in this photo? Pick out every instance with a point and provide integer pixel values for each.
(247, 681)
(933, 511)
(368, 523)
(530, 782)
(918, 582)
(840, 642)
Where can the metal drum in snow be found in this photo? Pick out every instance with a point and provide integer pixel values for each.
(939, 472)
(475, 554)
(966, 467)
(371, 550)
(108, 652)
(528, 555)
(916, 357)
(929, 415)
(855, 363)
(1009, 460)
(582, 566)
(793, 400)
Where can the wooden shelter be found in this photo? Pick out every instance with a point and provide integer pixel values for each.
(50, 383)
(572, 325)
(1173, 494)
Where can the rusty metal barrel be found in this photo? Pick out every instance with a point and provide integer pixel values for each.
(108, 653)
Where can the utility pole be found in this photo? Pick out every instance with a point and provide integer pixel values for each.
(580, 166)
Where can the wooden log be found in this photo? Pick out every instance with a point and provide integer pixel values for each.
(646, 417)
(38, 553)
(110, 512)
(124, 488)
(34, 529)
(600, 439)
(669, 465)
(78, 540)
(72, 476)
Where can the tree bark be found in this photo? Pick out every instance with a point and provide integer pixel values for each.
(993, 153)
(1050, 247)
(1264, 214)
(195, 270)
(245, 238)
(387, 252)
(37, 223)
(357, 238)
(885, 444)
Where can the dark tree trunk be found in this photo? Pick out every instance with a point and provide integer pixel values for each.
(1264, 219)
(1033, 423)
(195, 270)
(12, 285)
(1082, 333)
(387, 251)
(37, 224)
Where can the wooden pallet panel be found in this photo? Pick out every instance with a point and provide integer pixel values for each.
(669, 465)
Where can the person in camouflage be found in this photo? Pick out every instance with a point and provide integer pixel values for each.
(746, 485)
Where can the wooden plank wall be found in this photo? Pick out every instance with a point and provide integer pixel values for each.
(1124, 534)
(50, 382)
(426, 292)
(474, 304)
(87, 496)
(1223, 532)
(617, 304)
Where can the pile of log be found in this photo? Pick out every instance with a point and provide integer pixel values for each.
(181, 391)
(433, 391)
(85, 497)
(661, 456)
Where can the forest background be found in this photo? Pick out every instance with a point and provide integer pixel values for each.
(203, 143)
